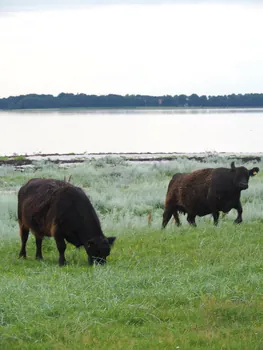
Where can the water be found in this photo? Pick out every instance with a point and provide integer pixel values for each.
(129, 130)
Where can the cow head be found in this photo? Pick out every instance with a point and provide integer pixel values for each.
(98, 249)
(242, 175)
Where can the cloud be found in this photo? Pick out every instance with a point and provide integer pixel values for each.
(128, 49)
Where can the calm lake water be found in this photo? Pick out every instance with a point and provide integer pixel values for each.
(129, 130)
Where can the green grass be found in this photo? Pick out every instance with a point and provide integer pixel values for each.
(18, 157)
(180, 288)
(21, 157)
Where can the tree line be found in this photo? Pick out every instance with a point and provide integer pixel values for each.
(68, 100)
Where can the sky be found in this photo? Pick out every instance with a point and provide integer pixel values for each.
(131, 47)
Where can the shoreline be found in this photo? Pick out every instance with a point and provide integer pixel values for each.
(182, 108)
(140, 157)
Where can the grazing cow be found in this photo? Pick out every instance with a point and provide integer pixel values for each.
(58, 209)
(206, 191)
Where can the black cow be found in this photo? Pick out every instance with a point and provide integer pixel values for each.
(206, 191)
(58, 209)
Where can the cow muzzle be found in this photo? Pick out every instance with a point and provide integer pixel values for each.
(99, 261)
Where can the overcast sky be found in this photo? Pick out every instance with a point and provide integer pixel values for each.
(153, 47)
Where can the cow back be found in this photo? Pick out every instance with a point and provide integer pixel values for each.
(189, 190)
(45, 205)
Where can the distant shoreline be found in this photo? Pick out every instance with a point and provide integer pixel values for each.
(129, 108)
(20, 161)
(69, 100)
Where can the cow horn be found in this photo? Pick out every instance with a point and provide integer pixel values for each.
(233, 166)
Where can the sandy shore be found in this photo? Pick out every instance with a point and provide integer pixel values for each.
(70, 158)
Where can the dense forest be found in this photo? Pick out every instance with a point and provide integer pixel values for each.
(67, 100)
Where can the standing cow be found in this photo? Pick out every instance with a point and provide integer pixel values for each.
(206, 191)
(58, 209)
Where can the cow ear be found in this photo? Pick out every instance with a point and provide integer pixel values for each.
(111, 240)
(254, 171)
(233, 167)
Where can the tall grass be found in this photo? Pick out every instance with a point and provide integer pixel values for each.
(181, 288)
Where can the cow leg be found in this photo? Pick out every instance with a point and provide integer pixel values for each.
(176, 218)
(216, 217)
(191, 219)
(24, 232)
(168, 212)
(39, 249)
(61, 245)
(239, 213)
(213, 206)
(90, 258)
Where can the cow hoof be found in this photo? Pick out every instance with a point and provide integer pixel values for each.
(22, 256)
(39, 258)
(237, 222)
(62, 263)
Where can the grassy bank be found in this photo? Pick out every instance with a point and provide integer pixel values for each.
(181, 288)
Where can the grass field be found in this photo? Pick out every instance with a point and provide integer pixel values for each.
(180, 288)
